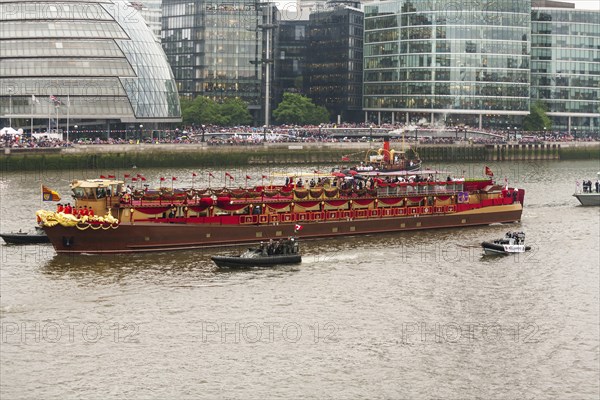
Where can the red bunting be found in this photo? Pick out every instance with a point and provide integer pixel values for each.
(174, 178)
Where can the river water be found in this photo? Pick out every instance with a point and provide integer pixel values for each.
(400, 316)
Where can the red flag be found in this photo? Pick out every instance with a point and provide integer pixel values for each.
(194, 174)
(111, 177)
(248, 177)
(126, 176)
(174, 178)
(345, 158)
(102, 177)
(488, 171)
(264, 177)
(298, 227)
(211, 175)
(143, 179)
(133, 179)
(139, 175)
(162, 179)
(229, 175)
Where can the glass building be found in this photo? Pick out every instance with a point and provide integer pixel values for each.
(565, 66)
(290, 57)
(215, 48)
(334, 60)
(459, 62)
(93, 60)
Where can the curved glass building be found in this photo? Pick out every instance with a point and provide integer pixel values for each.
(93, 60)
(448, 62)
(565, 67)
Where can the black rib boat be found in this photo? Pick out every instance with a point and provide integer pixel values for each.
(285, 251)
(39, 236)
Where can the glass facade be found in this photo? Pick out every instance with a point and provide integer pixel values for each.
(460, 62)
(565, 67)
(290, 57)
(215, 48)
(334, 61)
(98, 58)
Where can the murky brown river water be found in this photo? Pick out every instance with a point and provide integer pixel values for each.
(402, 316)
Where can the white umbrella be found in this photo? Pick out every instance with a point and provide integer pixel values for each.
(8, 131)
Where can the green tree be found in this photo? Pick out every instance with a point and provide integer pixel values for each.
(299, 110)
(538, 118)
(200, 110)
(203, 110)
(234, 111)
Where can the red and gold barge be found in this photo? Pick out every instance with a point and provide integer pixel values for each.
(190, 218)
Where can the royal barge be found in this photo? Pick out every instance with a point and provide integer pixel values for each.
(172, 219)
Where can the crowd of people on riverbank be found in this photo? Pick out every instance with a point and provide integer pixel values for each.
(246, 135)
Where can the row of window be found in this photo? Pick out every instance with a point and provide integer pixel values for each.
(569, 29)
(55, 10)
(447, 46)
(450, 102)
(455, 10)
(455, 60)
(573, 16)
(61, 67)
(396, 21)
(58, 29)
(565, 54)
(565, 67)
(578, 42)
(576, 81)
(456, 75)
(455, 89)
(456, 33)
(42, 88)
(60, 48)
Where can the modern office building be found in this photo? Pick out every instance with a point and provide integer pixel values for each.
(216, 48)
(151, 11)
(92, 61)
(565, 65)
(459, 62)
(290, 57)
(334, 60)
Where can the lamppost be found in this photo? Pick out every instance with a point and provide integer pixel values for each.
(141, 131)
(10, 91)
(75, 130)
(516, 132)
(544, 133)
(203, 127)
(264, 133)
(575, 133)
(371, 133)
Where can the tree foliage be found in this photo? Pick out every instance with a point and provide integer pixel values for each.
(205, 111)
(538, 118)
(299, 110)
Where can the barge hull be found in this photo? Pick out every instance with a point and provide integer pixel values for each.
(148, 236)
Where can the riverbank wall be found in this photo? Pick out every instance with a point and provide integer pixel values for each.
(200, 155)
